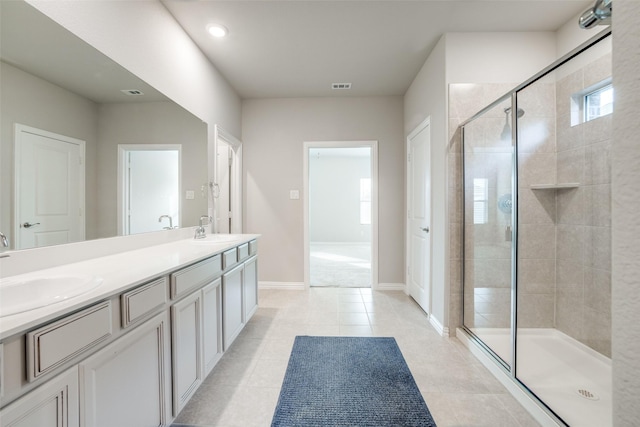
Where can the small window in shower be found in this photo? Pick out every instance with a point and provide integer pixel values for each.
(592, 102)
(480, 200)
(598, 103)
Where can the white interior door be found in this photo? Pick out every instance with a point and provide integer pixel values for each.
(49, 177)
(419, 212)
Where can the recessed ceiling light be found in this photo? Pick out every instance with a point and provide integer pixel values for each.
(217, 30)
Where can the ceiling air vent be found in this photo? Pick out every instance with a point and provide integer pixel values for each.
(341, 86)
(132, 92)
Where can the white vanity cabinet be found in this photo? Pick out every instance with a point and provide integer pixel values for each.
(232, 304)
(196, 327)
(136, 356)
(53, 404)
(250, 287)
(186, 344)
(127, 383)
(212, 324)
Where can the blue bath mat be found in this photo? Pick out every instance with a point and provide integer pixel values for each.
(349, 381)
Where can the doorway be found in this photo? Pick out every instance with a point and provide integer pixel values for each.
(49, 188)
(148, 187)
(341, 214)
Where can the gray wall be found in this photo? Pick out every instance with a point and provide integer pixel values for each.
(274, 131)
(31, 101)
(150, 123)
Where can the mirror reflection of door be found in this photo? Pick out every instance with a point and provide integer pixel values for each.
(340, 213)
(49, 188)
(227, 185)
(223, 171)
(150, 179)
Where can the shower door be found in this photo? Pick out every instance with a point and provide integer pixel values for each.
(488, 228)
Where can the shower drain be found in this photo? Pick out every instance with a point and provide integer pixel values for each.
(587, 394)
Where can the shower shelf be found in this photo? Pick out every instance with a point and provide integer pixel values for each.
(561, 186)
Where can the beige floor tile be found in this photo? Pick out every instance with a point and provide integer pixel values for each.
(244, 386)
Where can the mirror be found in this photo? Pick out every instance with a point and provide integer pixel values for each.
(52, 81)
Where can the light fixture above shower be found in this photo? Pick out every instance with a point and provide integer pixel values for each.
(599, 14)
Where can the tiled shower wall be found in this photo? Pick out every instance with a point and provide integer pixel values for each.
(537, 162)
(583, 271)
(564, 273)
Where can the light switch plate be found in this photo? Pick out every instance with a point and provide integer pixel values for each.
(191, 195)
(294, 194)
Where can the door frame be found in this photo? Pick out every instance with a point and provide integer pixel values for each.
(235, 177)
(426, 123)
(373, 145)
(123, 149)
(17, 156)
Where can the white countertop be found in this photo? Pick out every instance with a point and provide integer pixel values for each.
(119, 272)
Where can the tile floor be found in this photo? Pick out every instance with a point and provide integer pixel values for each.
(243, 388)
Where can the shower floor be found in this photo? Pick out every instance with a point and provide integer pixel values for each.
(556, 367)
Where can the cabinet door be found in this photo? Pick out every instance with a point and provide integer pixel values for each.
(232, 309)
(250, 285)
(212, 324)
(53, 404)
(186, 344)
(127, 383)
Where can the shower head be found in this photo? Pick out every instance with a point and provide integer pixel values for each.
(506, 131)
(520, 111)
(600, 13)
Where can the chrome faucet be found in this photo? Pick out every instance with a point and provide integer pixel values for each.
(201, 233)
(170, 221)
(5, 241)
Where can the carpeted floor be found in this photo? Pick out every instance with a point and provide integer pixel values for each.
(349, 381)
(340, 265)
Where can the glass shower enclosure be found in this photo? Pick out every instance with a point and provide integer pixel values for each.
(537, 235)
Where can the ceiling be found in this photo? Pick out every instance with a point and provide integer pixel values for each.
(36, 44)
(298, 48)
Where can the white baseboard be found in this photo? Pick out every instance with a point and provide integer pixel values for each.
(390, 287)
(438, 326)
(291, 286)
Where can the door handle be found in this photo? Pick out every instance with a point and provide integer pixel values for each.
(425, 229)
(29, 225)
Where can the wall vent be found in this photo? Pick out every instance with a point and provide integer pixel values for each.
(341, 86)
(132, 92)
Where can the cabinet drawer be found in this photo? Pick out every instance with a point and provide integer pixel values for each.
(56, 343)
(253, 247)
(229, 258)
(196, 275)
(143, 300)
(243, 251)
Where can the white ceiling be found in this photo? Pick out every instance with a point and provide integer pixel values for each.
(297, 48)
(36, 44)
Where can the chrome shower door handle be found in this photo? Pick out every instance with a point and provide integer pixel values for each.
(29, 225)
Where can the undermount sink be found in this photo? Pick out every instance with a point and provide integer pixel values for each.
(212, 239)
(17, 296)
